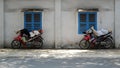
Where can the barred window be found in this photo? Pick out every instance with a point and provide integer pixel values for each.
(33, 20)
(86, 20)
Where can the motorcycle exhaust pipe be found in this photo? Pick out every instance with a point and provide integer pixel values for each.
(103, 43)
(100, 43)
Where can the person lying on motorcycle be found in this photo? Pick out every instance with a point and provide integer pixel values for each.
(99, 33)
(24, 33)
(35, 33)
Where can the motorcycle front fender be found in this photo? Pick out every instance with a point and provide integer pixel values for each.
(86, 37)
(18, 38)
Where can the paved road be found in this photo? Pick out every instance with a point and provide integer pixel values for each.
(59, 58)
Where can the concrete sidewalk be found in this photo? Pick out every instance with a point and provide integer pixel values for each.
(66, 58)
(60, 53)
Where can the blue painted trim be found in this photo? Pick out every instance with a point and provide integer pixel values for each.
(87, 20)
(32, 20)
(25, 22)
(96, 19)
(78, 23)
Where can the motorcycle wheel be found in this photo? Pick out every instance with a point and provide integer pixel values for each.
(109, 43)
(38, 44)
(15, 44)
(84, 44)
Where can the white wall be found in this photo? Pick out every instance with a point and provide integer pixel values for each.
(14, 19)
(117, 23)
(1, 23)
(70, 36)
(60, 22)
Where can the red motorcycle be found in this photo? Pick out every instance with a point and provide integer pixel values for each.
(91, 41)
(35, 42)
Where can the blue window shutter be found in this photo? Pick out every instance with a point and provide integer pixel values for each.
(28, 20)
(37, 20)
(92, 19)
(82, 25)
(33, 20)
(86, 20)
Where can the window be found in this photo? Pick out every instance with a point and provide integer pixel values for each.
(86, 20)
(33, 20)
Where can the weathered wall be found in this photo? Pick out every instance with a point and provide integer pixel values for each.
(70, 36)
(1, 23)
(60, 19)
(14, 19)
(117, 23)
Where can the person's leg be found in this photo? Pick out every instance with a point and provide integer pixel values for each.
(24, 39)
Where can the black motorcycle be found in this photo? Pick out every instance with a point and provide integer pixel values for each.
(91, 41)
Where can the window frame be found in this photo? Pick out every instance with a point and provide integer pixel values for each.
(87, 23)
(32, 23)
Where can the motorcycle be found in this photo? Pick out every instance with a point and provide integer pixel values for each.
(91, 41)
(34, 42)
